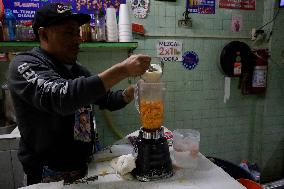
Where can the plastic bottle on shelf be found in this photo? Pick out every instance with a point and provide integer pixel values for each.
(19, 31)
(100, 25)
(86, 32)
(93, 32)
(1, 10)
(10, 22)
(1, 32)
(30, 36)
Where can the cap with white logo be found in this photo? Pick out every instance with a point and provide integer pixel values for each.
(55, 12)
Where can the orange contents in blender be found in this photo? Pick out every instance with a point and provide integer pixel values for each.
(151, 114)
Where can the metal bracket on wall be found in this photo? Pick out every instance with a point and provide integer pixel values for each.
(186, 22)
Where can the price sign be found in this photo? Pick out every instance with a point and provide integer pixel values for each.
(169, 50)
(201, 7)
(240, 4)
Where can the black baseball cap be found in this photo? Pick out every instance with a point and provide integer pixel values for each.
(53, 13)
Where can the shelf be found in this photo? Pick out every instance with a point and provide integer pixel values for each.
(19, 45)
(116, 45)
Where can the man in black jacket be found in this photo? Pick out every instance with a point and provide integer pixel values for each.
(52, 94)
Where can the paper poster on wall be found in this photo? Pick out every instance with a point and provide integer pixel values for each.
(240, 4)
(201, 6)
(169, 50)
(237, 23)
(25, 9)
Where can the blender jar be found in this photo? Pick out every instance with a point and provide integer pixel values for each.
(149, 100)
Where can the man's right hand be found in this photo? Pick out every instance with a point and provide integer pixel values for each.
(133, 66)
(136, 65)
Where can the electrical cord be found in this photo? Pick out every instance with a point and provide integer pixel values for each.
(110, 124)
(272, 20)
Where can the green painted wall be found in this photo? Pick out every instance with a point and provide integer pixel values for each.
(246, 127)
(271, 143)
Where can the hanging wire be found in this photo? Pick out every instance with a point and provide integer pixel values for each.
(272, 20)
(185, 14)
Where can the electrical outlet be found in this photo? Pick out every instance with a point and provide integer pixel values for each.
(258, 35)
(186, 23)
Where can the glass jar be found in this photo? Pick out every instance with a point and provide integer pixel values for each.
(100, 25)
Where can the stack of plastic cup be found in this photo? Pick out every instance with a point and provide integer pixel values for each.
(125, 29)
(111, 25)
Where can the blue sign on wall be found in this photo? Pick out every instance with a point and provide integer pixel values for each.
(201, 6)
(190, 60)
(25, 9)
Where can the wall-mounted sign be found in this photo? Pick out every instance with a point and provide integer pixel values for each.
(237, 23)
(169, 50)
(25, 9)
(190, 60)
(239, 4)
(201, 6)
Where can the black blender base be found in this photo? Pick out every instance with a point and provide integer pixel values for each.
(153, 161)
(152, 175)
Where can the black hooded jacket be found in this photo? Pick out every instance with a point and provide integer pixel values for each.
(46, 95)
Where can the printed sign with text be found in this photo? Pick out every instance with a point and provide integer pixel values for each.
(239, 4)
(169, 50)
(200, 6)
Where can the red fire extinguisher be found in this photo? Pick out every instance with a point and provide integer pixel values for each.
(259, 78)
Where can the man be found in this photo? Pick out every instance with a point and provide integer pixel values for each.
(52, 94)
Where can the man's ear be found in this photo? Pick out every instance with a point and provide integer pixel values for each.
(42, 33)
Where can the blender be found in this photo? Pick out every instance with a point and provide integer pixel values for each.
(153, 160)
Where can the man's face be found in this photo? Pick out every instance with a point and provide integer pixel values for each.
(63, 41)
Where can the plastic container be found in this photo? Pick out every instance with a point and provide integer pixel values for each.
(1, 32)
(249, 184)
(244, 165)
(100, 25)
(186, 148)
(149, 101)
(86, 32)
(10, 23)
(19, 31)
(232, 169)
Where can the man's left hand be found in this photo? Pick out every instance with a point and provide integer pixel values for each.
(128, 94)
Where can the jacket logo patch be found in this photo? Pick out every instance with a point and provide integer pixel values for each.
(32, 77)
(82, 127)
